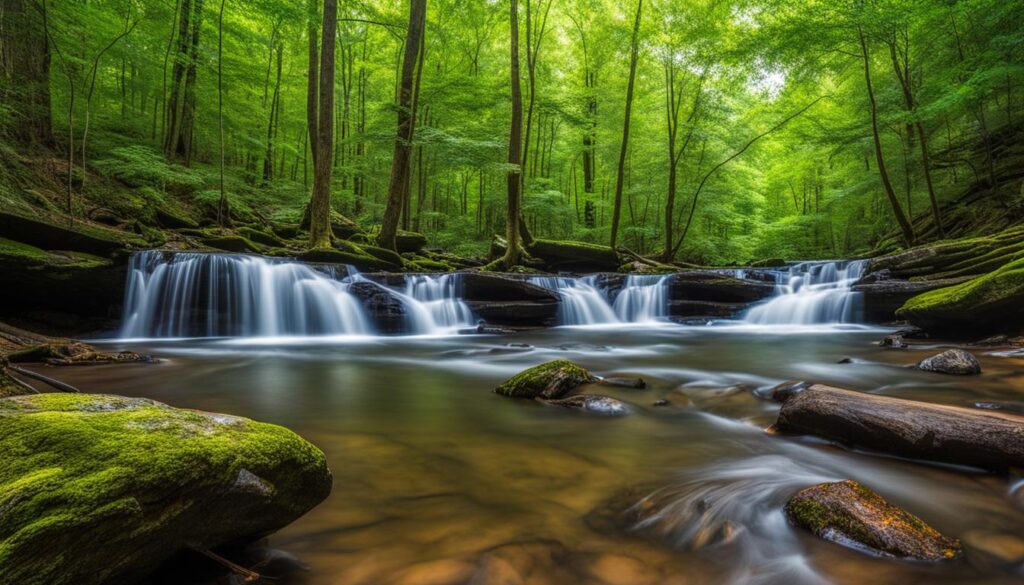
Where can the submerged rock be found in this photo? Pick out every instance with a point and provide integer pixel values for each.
(603, 405)
(621, 382)
(105, 488)
(850, 514)
(550, 381)
(67, 353)
(894, 341)
(953, 361)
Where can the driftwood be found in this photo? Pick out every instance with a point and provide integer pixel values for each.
(45, 379)
(908, 428)
(247, 575)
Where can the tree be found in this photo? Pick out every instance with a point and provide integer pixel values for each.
(620, 177)
(182, 102)
(399, 183)
(320, 201)
(25, 61)
(511, 257)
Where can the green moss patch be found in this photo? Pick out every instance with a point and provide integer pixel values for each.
(98, 488)
(551, 380)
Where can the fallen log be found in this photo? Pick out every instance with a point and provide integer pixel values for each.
(908, 428)
(46, 380)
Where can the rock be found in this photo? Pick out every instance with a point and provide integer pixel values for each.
(481, 286)
(768, 263)
(661, 402)
(106, 488)
(575, 256)
(845, 360)
(988, 304)
(551, 380)
(261, 237)
(362, 261)
(695, 285)
(407, 242)
(953, 361)
(894, 341)
(387, 312)
(171, 220)
(287, 231)
(850, 514)
(516, 313)
(705, 309)
(66, 353)
(236, 244)
(603, 405)
(883, 298)
(962, 436)
(784, 391)
(636, 383)
(78, 236)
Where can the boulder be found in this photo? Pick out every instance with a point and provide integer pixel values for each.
(516, 313)
(589, 403)
(908, 428)
(407, 242)
(261, 237)
(171, 220)
(883, 298)
(61, 235)
(698, 285)
(850, 514)
(988, 304)
(67, 353)
(894, 341)
(550, 381)
(105, 488)
(575, 256)
(387, 312)
(953, 361)
(482, 286)
(362, 261)
(237, 244)
(705, 309)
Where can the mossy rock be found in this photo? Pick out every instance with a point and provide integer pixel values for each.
(551, 380)
(851, 514)
(407, 242)
(384, 254)
(172, 220)
(285, 230)
(232, 244)
(103, 489)
(989, 303)
(261, 237)
(569, 255)
(18, 255)
(76, 235)
(361, 261)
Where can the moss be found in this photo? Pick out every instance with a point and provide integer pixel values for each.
(383, 254)
(22, 254)
(56, 232)
(142, 479)
(232, 244)
(995, 300)
(847, 511)
(355, 257)
(261, 237)
(553, 379)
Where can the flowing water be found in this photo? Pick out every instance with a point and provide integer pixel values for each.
(437, 480)
(812, 292)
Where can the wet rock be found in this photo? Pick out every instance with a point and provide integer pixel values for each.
(482, 286)
(963, 436)
(232, 244)
(551, 380)
(603, 405)
(68, 353)
(697, 285)
(894, 341)
(261, 237)
(845, 360)
(686, 309)
(953, 361)
(387, 312)
(516, 313)
(619, 382)
(353, 255)
(784, 391)
(882, 298)
(137, 482)
(662, 402)
(850, 514)
(575, 256)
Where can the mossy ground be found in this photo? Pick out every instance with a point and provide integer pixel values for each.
(93, 486)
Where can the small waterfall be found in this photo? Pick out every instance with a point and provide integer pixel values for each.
(812, 293)
(644, 298)
(435, 304)
(218, 295)
(582, 302)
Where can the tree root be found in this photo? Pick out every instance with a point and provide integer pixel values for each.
(45, 379)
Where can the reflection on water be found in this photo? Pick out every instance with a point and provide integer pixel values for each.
(438, 480)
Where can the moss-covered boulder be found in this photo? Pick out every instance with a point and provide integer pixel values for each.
(550, 381)
(261, 237)
(60, 234)
(353, 255)
(575, 256)
(232, 244)
(989, 303)
(851, 514)
(407, 242)
(102, 489)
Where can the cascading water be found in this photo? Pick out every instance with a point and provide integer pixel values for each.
(644, 298)
(437, 306)
(217, 295)
(582, 302)
(812, 293)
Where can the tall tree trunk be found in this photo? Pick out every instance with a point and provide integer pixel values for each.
(273, 119)
(406, 127)
(901, 219)
(515, 145)
(222, 205)
(172, 126)
(25, 59)
(320, 202)
(188, 114)
(633, 54)
(312, 86)
(162, 108)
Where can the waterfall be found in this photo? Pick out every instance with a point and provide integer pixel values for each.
(812, 293)
(217, 295)
(644, 298)
(435, 304)
(582, 302)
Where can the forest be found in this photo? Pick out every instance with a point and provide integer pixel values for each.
(504, 292)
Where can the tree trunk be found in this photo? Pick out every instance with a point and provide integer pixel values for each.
(406, 127)
(320, 202)
(172, 127)
(515, 145)
(273, 121)
(634, 52)
(312, 86)
(25, 59)
(905, 227)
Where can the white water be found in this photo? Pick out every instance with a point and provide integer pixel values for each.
(215, 295)
(644, 298)
(582, 302)
(437, 306)
(812, 293)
